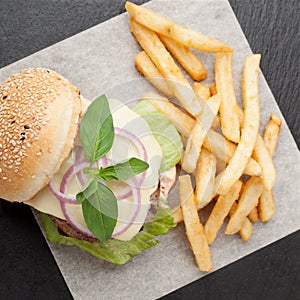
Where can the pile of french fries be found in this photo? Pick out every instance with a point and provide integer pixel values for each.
(233, 168)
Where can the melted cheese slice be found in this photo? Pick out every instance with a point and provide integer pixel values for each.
(122, 148)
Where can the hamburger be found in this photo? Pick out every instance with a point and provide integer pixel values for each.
(51, 159)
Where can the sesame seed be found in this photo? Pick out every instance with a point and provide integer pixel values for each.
(24, 101)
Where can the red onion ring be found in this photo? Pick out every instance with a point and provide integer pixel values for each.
(123, 194)
(80, 228)
(80, 175)
(61, 194)
(79, 155)
(137, 142)
(137, 207)
(77, 169)
(134, 190)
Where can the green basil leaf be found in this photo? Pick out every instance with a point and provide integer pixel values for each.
(86, 192)
(100, 210)
(123, 170)
(80, 197)
(97, 130)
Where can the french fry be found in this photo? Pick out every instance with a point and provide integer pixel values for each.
(248, 199)
(221, 165)
(213, 142)
(205, 178)
(165, 64)
(181, 34)
(266, 207)
(247, 228)
(199, 131)
(194, 229)
(213, 89)
(177, 214)
(225, 150)
(220, 211)
(147, 68)
(240, 114)
(271, 133)
(243, 152)
(202, 90)
(253, 215)
(216, 161)
(262, 156)
(216, 123)
(187, 59)
(183, 122)
(228, 108)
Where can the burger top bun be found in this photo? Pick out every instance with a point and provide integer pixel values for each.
(39, 117)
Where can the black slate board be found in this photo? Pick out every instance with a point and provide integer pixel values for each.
(27, 268)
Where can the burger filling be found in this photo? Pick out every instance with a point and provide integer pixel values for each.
(137, 204)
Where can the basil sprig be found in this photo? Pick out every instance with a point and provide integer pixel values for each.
(122, 170)
(97, 130)
(99, 208)
(99, 204)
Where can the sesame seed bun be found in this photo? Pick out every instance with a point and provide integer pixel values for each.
(39, 117)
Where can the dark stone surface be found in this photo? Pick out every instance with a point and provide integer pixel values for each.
(270, 273)
(27, 268)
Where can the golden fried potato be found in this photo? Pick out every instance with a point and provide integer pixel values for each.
(213, 89)
(181, 34)
(248, 199)
(220, 211)
(202, 90)
(243, 152)
(266, 206)
(247, 228)
(147, 68)
(187, 59)
(205, 178)
(228, 108)
(194, 229)
(165, 64)
(199, 131)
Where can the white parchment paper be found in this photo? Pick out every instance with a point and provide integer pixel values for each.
(100, 60)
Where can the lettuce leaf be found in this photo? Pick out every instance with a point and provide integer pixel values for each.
(115, 251)
(164, 132)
